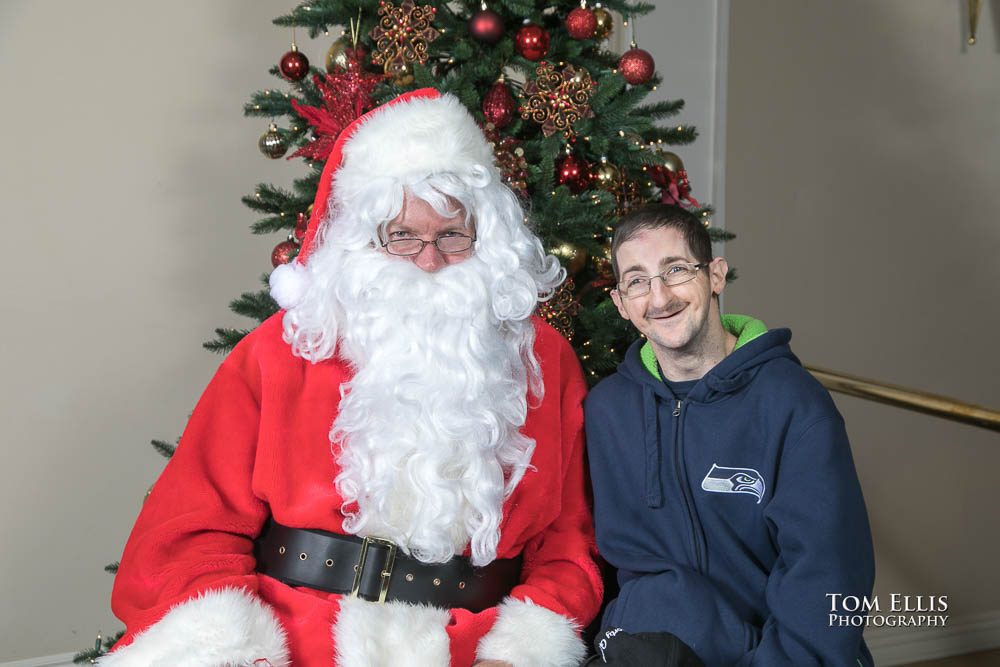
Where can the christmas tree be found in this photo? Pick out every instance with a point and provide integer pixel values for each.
(568, 120)
(571, 131)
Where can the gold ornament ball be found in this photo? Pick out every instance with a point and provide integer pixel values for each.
(272, 144)
(672, 161)
(574, 257)
(399, 73)
(606, 175)
(605, 22)
(336, 56)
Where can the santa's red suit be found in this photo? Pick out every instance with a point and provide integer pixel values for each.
(256, 446)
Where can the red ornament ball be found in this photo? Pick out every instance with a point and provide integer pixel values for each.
(581, 23)
(532, 41)
(294, 65)
(284, 252)
(498, 105)
(572, 172)
(486, 26)
(301, 225)
(637, 66)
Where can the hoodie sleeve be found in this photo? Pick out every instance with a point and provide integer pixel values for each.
(186, 587)
(818, 518)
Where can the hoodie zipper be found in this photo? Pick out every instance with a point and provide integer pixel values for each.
(682, 481)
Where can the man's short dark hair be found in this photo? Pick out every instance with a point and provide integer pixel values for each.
(658, 216)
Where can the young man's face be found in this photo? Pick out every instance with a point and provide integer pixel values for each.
(674, 318)
(419, 220)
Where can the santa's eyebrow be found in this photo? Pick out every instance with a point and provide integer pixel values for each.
(457, 227)
(397, 227)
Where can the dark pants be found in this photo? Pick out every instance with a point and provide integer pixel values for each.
(645, 649)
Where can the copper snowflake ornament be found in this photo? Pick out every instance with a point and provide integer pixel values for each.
(402, 33)
(557, 98)
(560, 310)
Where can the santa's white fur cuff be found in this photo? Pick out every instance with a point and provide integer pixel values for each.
(368, 634)
(528, 635)
(224, 627)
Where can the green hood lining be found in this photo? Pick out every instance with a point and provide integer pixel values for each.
(744, 327)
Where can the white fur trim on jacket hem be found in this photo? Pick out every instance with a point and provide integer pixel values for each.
(527, 635)
(367, 634)
(229, 626)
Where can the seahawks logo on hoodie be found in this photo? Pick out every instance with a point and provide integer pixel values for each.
(734, 480)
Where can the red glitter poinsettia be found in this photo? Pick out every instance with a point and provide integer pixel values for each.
(347, 94)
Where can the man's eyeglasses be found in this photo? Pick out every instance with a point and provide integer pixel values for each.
(677, 273)
(450, 244)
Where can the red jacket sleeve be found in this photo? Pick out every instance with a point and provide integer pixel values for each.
(195, 535)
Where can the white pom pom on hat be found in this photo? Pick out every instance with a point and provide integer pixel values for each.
(288, 284)
(419, 133)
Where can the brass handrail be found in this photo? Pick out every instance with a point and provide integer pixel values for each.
(931, 404)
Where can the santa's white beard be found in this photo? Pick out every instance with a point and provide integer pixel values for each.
(427, 434)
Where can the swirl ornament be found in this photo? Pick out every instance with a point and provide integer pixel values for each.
(556, 99)
(402, 34)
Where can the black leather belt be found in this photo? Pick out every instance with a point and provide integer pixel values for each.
(376, 570)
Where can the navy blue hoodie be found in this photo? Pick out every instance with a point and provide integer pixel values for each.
(733, 514)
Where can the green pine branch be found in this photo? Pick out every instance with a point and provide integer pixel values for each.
(164, 448)
(225, 340)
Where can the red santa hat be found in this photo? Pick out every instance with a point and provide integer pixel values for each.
(416, 135)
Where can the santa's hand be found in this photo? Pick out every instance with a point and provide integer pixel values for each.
(492, 663)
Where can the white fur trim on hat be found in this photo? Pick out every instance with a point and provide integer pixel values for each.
(411, 141)
(368, 634)
(528, 635)
(229, 626)
(288, 284)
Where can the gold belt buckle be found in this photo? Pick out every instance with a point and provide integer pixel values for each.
(385, 575)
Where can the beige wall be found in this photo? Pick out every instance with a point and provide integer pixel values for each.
(863, 164)
(124, 157)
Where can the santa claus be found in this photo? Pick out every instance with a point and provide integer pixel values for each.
(390, 470)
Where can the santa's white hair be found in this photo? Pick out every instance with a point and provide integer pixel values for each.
(427, 433)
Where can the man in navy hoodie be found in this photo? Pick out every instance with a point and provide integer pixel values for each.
(724, 488)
